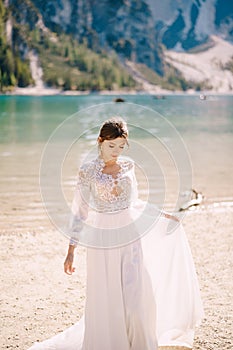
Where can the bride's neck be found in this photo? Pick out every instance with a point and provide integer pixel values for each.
(109, 162)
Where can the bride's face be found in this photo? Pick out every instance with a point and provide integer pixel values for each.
(111, 149)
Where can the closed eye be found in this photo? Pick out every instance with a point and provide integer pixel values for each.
(112, 146)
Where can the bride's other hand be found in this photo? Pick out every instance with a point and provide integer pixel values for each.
(172, 217)
(175, 218)
(68, 264)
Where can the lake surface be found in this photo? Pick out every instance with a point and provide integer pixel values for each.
(178, 143)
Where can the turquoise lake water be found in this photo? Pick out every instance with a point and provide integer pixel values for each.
(168, 138)
(32, 119)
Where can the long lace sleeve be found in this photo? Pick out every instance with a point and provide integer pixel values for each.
(80, 206)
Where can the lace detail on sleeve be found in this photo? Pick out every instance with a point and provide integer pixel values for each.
(79, 207)
(85, 174)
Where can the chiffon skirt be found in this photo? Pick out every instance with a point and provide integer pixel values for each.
(139, 295)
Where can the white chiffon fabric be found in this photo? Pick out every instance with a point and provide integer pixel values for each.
(140, 294)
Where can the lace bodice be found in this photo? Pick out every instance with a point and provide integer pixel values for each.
(102, 192)
(107, 193)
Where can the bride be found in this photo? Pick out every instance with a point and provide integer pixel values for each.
(142, 290)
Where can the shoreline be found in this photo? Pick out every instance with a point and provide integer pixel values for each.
(33, 91)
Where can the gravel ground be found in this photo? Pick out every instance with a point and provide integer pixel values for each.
(38, 299)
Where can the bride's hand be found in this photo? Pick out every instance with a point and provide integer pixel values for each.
(68, 264)
(175, 218)
(172, 217)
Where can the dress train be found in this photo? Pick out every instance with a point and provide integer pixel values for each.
(138, 296)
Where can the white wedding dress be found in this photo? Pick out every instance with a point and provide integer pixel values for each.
(142, 290)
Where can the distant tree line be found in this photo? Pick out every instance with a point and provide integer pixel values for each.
(73, 66)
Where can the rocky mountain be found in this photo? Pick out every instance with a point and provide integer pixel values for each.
(135, 28)
(138, 31)
(183, 25)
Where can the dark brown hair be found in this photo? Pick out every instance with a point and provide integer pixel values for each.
(112, 129)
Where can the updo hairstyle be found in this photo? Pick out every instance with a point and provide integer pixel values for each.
(112, 129)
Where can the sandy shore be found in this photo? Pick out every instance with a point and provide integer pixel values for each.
(38, 299)
(34, 91)
(155, 90)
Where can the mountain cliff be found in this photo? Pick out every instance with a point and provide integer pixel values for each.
(135, 28)
(182, 25)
